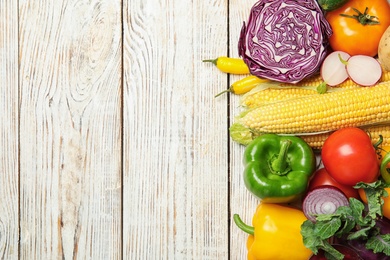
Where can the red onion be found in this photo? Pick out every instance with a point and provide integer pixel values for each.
(323, 199)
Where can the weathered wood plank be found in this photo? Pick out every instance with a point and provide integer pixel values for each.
(9, 210)
(242, 202)
(70, 129)
(175, 139)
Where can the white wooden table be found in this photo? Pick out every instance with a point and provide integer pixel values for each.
(112, 143)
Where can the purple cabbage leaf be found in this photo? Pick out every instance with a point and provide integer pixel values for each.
(285, 41)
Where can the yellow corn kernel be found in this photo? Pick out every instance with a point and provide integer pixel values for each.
(385, 76)
(319, 113)
(268, 95)
(317, 141)
(287, 90)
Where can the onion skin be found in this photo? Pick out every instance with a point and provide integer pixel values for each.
(331, 197)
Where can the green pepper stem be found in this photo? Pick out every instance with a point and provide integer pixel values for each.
(280, 165)
(384, 170)
(244, 227)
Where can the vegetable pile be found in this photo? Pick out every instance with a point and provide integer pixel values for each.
(315, 123)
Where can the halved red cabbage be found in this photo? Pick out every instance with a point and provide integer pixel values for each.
(284, 41)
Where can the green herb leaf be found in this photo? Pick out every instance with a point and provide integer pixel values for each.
(332, 254)
(327, 229)
(310, 239)
(352, 221)
(374, 193)
(349, 224)
(357, 209)
(360, 234)
(379, 244)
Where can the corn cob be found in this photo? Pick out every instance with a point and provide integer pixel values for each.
(287, 90)
(317, 141)
(321, 113)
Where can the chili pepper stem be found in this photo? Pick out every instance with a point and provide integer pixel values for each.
(212, 61)
(279, 164)
(244, 227)
(225, 91)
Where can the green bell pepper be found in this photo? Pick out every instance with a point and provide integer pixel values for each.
(278, 168)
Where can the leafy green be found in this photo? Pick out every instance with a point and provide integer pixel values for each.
(379, 243)
(354, 221)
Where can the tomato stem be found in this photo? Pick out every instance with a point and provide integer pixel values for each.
(363, 18)
(379, 142)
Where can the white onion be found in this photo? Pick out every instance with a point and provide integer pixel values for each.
(364, 70)
(333, 70)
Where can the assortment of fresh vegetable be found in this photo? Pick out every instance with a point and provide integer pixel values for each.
(328, 64)
(352, 222)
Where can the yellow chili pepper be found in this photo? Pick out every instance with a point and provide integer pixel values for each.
(230, 65)
(244, 85)
(275, 234)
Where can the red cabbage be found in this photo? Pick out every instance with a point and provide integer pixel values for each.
(284, 41)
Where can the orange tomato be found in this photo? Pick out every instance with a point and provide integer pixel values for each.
(386, 205)
(350, 35)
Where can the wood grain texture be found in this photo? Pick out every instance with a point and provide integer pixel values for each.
(70, 129)
(112, 151)
(175, 139)
(9, 211)
(242, 202)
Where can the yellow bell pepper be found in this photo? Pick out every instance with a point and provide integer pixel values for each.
(276, 233)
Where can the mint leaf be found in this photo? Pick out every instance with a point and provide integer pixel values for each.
(310, 239)
(374, 193)
(326, 229)
(360, 234)
(357, 209)
(349, 224)
(379, 244)
(332, 254)
(343, 211)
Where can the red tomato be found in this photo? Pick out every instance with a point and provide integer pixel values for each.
(349, 156)
(321, 177)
